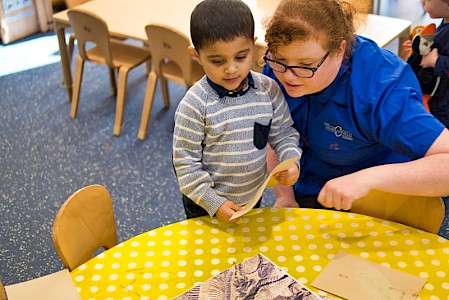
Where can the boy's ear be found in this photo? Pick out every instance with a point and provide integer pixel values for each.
(194, 54)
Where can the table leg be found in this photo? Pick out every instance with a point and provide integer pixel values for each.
(65, 63)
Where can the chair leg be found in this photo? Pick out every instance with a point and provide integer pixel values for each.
(112, 81)
(121, 92)
(79, 67)
(148, 62)
(165, 94)
(147, 105)
(71, 46)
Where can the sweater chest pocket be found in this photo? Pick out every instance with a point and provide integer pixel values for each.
(261, 133)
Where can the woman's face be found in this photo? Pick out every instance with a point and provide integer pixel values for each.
(307, 54)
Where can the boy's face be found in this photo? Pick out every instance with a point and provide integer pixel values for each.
(226, 63)
(437, 8)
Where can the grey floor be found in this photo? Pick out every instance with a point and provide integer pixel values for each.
(45, 156)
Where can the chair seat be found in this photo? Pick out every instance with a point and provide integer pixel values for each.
(123, 54)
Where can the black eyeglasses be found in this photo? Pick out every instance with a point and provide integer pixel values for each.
(303, 72)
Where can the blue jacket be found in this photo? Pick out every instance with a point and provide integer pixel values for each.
(372, 114)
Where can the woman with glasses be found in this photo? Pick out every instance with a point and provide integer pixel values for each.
(357, 107)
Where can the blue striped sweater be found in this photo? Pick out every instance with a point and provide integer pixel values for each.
(219, 144)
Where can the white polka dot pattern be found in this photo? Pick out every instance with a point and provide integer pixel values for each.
(167, 261)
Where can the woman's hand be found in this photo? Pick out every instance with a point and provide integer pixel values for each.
(341, 192)
(226, 210)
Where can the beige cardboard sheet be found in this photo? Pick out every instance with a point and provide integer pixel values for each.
(269, 182)
(352, 277)
(55, 286)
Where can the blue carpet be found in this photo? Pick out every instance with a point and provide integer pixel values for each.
(45, 156)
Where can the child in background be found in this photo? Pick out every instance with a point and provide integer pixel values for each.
(438, 59)
(224, 122)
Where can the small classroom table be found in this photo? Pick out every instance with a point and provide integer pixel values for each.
(167, 261)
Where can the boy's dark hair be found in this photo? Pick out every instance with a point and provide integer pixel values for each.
(220, 20)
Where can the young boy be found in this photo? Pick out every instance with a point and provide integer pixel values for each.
(438, 59)
(224, 122)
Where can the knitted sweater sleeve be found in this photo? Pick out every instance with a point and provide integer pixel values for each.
(188, 136)
(283, 138)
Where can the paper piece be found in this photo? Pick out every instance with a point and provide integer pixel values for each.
(351, 277)
(255, 278)
(269, 182)
(55, 286)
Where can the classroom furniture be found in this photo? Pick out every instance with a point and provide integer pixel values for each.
(171, 61)
(129, 18)
(84, 224)
(116, 55)
(167, 261)
(2, 291)
(71, 43)
(426, 213)
(259, 51)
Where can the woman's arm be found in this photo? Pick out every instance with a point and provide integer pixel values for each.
(285, 196)
(427, 176)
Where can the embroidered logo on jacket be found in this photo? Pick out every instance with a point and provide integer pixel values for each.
(338, 131)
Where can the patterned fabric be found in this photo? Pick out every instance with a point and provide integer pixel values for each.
(219, 144)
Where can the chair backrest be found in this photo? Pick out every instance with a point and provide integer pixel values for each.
(170, 55)
(72, 3)
(89, 27)
(2, 291)
(425, 213)
(258, 62)
(84, 224)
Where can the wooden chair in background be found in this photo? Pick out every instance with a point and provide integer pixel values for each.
(425, 213)
(116, 55)
(71, 44)
(258, 62)
(171, 61)
(2, 291)
(84, 224)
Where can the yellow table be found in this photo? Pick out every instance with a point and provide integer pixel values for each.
(165, 262)
(127, 19)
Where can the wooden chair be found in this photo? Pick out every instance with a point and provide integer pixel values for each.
(425, 213)
(115, 54)
(2, 291)
(258, 62)
(84, 224)
(171, 61)
(71, 44)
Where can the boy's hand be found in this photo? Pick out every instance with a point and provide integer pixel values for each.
(429, 60)
(288, 177)
(226, 210)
